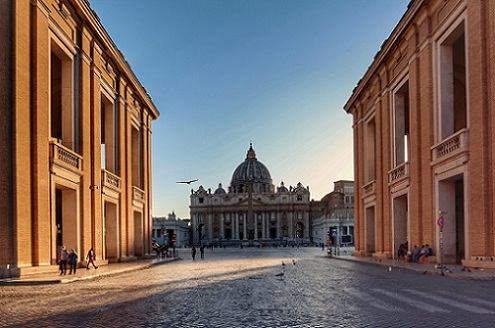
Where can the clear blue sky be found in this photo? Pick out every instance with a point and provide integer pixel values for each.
(224, 73)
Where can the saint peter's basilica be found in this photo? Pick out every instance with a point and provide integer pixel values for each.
(252, 211)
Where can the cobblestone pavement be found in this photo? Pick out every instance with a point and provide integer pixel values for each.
(251, 288)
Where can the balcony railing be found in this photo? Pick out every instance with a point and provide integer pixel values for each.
(64, 157)
(453, 145)
(400, 172)
(108, 179)
(369, 188)
(138, 194)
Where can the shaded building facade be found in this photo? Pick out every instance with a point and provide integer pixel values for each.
(333, 216)
(75, 142)
(171, 230)
(423, 120)
(252, 212)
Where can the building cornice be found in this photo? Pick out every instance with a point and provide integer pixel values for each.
(84, 10)
(387, 47)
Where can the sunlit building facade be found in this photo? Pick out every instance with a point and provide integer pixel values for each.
(252, 212)
(423, 135)
(75, 145)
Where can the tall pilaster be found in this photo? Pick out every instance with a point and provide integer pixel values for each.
(41, 134)
(22, 132)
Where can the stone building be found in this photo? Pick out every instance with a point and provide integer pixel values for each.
(333, 216)
(424, 122)
(75, 145)
(164, 229)
(252, 212)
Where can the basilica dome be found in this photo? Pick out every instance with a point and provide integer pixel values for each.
(251, 171)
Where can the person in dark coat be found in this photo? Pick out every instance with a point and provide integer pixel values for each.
(72, 261)
(193, 253)
(90, 259)
(64, 257)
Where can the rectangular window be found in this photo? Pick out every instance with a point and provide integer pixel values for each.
(370, 151)
(61, 96)
(453, 109)
(137, 163)
(108, 135)
(401, 125)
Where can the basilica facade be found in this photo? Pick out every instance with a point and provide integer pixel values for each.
(252, 211)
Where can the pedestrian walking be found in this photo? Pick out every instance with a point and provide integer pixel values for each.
(64, 257)
(193, 253)
(90, 258)
(72, 261)
(202, 251)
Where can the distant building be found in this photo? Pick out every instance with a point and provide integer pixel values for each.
(333, 216)
(75, 140)
(424, 122)
(164, 229)
(252, 212)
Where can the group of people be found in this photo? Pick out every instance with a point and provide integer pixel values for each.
(201, 251)
(71, 257)
(416, 254)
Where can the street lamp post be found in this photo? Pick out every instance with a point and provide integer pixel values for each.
(440, 223)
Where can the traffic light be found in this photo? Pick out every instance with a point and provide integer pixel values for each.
(333, 235)
(174, 238)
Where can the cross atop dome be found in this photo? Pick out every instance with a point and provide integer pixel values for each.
(251, 153)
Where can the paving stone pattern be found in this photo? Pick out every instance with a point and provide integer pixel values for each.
(246, 288)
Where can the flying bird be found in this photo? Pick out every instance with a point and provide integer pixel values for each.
(188, 182)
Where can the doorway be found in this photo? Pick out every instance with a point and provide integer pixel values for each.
(370, 230)
(400, 222)
(451, 208)
(66, 223)
(111, 235)
(138, 234)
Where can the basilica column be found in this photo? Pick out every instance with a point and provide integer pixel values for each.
(210, 226)
(256, 226)
(237, 225)
(291, 225)
(222, 232)
(263, 225)
(244, 226)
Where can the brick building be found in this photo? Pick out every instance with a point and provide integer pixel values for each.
(75, 139)
(423, 120)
